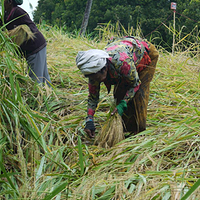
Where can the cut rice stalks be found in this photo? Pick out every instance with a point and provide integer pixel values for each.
(111, 132)
(21, 34)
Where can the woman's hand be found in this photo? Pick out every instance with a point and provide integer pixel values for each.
(90, 128)
(90, 133)
(120, 108)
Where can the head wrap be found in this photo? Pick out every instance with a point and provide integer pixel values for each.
(18, 2)
(91, 61)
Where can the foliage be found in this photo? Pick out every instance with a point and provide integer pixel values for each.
(154, 19)
(45, 154)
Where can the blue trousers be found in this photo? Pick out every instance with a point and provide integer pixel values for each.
(37, 66)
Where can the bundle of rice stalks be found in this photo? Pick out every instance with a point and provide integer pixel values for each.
(21, 34)
(111, 132)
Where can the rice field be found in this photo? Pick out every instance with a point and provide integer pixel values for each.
(45, 154)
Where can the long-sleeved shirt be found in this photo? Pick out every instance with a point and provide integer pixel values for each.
(128, 56)
(17, 17)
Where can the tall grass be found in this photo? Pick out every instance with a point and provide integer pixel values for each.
(45, 154)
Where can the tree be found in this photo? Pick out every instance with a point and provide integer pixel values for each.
(44, 11)
(86, 17)
(151, 17)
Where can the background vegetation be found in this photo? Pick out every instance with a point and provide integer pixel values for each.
(155, 19)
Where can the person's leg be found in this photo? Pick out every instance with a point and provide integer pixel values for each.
(38, 67)
(135, 116)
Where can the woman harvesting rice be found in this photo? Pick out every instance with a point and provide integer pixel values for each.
(34, 50)
(129, 64)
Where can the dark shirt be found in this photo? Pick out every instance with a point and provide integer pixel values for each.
(21, 17)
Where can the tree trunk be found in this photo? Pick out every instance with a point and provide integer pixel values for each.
(86, 17)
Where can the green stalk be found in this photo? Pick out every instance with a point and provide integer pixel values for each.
(80, 152)
(56, 191)
(8, 178)
(192, 189)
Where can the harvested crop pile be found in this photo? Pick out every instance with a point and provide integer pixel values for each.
(21, 34)
(111, 132)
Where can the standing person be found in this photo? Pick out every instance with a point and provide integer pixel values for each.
(129, 64)
(34, 50)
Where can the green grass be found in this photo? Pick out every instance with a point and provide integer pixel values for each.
(45, 154)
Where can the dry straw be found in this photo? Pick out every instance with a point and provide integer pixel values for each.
(21, 34)
(111, 132)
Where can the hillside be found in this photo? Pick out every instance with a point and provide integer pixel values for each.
(48, 156)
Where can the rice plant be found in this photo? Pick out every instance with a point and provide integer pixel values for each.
(45, 154)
